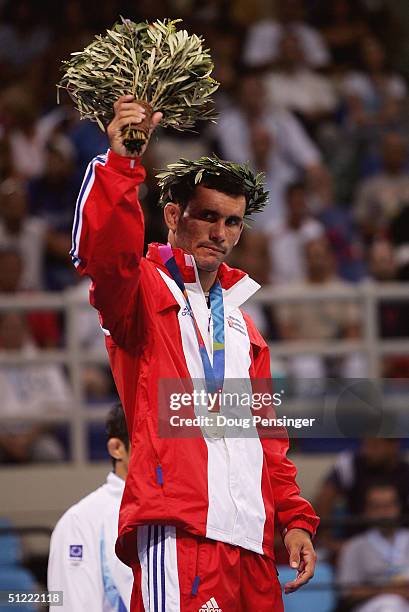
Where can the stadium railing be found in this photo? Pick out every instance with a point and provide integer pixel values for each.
(368, 295)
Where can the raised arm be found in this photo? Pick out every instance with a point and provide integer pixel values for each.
(108, 232)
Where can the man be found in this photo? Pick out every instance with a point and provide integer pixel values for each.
(354, 472)
(82, 561)
(324, 320)
(197, 516)
(374, 567)
(36, 389)
(288, 238)
(274, 142)
(380, 198)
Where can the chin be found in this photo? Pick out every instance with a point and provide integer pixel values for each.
(208, 264)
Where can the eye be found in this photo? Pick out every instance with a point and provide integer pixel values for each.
(233, 221)
(208, 216)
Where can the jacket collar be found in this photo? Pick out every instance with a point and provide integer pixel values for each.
(237, 285)
(115, 484)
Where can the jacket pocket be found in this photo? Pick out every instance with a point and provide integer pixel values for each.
(154, 445)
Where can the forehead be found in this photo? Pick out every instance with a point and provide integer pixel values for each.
(211, 199)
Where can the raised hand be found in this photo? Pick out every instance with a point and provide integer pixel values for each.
(127, 112)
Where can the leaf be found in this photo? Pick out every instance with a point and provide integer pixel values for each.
(164, 66)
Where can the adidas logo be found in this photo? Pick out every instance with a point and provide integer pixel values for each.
(210, 606)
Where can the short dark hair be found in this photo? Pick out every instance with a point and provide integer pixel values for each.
(178, 182)
(184, 190)
(115, 426)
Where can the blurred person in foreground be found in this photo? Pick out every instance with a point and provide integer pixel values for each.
(354, 471)
(198, 514)
(82, 561)
(32, 390)
(373, 568)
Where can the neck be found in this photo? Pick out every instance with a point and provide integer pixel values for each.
(207, 279)
(120, 470)
(13, 226)
(388, 532)
(319, 276)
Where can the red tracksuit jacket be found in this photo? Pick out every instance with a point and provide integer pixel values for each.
(230, 489)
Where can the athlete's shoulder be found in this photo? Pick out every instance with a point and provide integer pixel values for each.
(87, 511)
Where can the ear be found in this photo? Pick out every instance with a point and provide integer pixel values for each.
(116, 448)
(172, 213)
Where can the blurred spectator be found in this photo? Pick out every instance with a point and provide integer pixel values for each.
(52, 198)
(31, 236)
(22, 38)
(26, 132)
(296, 87)
(225, 44)
(273, 141)
(399, 235)
(88, 140)
(343, 31)
(263, 38)
(375, 94)
(6, 164)
(393, 315)
(382, 196)
(320, 320)
(286, 240)
(342, 232)
(71, 32)
(97, 379)
(53, 195)
(373, 569)
(43, 326)
(353, 473)
(29, 390)
(21, 232)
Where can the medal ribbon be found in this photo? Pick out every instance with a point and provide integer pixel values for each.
(214, 374)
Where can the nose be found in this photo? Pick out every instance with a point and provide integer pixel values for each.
(218, 231)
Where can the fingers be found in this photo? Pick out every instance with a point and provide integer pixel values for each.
(306, 570)
(301, 579)
(127, 113)
(122, 99)
(156, 119)
(295, 557)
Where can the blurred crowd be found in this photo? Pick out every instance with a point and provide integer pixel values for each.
(311, 94)
(314, 94)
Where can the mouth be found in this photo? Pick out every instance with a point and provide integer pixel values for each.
(213, 249)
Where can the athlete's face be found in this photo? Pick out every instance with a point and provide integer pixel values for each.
(209, 226)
